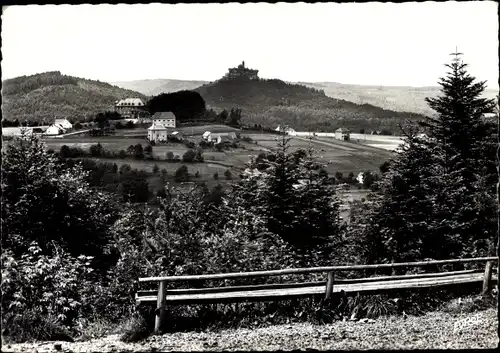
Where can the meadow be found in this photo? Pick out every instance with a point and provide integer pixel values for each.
(337, 156)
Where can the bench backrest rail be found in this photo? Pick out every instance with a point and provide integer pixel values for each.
(161, 294)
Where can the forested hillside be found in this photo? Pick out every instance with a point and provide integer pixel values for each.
(273, 102)
(42, 97)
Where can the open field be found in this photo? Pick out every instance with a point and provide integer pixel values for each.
(186, 130)
(435, 330)
(337, 156)
(203, 168)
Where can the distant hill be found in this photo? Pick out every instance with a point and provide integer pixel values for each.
(157, 86)
(273, 102)
(43, 97)
(411, 99)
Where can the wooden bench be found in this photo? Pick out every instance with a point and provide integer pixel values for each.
(283, 291)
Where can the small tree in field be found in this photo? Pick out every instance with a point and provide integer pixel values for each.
(181, 174)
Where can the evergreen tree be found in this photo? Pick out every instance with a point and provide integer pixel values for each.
(466, 142)
(437, 195)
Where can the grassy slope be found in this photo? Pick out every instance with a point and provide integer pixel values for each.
(46, 96)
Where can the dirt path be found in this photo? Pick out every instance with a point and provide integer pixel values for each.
(433, 331)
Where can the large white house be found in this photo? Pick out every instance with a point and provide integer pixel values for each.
(157, 133)
(165, 118)
(130, 107)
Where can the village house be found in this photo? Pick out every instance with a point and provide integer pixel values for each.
(176, 135)
(165, 118)
(55, 129)
(157, 133)
(343, 134)
(286, 130)
(131, 108)
(219, 137)
(64, 123)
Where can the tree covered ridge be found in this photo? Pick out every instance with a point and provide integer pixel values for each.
(267, 101)
(42, 97)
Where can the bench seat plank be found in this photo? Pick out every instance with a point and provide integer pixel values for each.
(290, 293)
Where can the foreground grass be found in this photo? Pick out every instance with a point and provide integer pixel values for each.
(436, 330)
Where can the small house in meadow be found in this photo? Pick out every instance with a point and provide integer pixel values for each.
(223, 137)
(206, 136)
(176, 135)
(55, 129)
(343, 134)
(64, 123)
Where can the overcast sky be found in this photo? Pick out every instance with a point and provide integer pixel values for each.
(373, 44)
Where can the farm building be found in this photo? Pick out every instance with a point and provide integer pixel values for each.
(343, 134)
(64, 123)
(130, 107)
(55, 129)
(165, 118)
(287, 130)
(176, 135)
(219, 137)
(224, 138)
(206, 136)
(157, 133)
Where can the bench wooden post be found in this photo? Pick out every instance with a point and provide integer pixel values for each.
(161, 306)
(487, 277)
(329, 285)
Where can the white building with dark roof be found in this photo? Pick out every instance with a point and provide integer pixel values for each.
(165, 118)
(158, 133)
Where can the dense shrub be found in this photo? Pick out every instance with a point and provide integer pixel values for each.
(54, 290)
(181, 174)
(47, 201)
(189, 156)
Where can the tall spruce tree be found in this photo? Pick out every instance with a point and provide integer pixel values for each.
(466, 143)
(437, 199)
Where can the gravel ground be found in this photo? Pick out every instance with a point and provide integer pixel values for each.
(433, 331)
